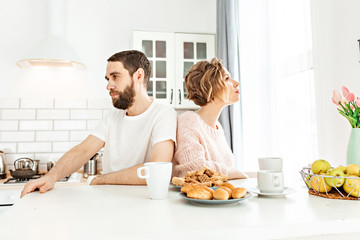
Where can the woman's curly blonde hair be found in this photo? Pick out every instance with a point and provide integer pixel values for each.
(205, 82)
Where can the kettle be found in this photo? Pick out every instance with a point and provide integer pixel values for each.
(2, 165)
(23, 163)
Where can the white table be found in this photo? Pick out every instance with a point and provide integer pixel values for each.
(126, 212)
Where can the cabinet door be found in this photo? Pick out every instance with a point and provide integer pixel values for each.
(190, 49)
(159, 49)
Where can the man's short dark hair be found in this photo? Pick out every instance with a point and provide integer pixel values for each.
(132, 61)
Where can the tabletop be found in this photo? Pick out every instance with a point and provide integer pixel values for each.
(126, 212)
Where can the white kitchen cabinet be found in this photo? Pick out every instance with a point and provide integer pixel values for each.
(171, 56)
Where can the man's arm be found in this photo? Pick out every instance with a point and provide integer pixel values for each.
(161, 152)
(67, 164)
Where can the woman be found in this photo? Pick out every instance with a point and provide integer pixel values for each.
(200, 137)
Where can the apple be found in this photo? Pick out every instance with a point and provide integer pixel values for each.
(351, 186)
(342, 168)
(337, 179)
(320, 166)
(353, 169)
(318, 184)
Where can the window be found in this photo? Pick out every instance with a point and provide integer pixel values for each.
(277, 82)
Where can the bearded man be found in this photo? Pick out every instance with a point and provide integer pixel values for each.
(137, 130)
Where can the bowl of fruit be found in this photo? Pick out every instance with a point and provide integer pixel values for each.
(341, 182)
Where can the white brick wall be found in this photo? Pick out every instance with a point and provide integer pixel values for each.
(45, 129)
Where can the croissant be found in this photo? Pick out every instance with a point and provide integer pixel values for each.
(200, 194)
(187, 188)
(228, 185)
(226, 189)
(221, 194)
(238, 193)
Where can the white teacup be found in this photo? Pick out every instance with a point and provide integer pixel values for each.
(270, 181)
(271, 163)
(158, 175)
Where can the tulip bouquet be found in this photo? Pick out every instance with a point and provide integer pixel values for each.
(348, 107)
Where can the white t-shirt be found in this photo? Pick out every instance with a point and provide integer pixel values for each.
(130, 139)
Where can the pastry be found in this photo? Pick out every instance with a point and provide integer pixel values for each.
(191, 174)
(207, 184)
(221, 194)
(187, 188)
(228, 185)
(200, 194)
(227, 189)
(210, 172)
(178, 181)
(218, 182)
(204, 176)
(238, 193)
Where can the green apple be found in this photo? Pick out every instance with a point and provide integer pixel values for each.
(352, 186)
(341, 168)
(337, 179)
(319, 185)
(320, 166)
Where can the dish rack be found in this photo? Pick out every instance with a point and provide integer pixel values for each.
(337, 191)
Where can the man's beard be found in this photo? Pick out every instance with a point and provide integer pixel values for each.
(125, 99)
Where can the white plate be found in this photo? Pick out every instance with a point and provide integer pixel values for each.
(287, 190)
(216, 202)
(179, 187)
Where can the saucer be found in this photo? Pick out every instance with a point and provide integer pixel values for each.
(287, 190)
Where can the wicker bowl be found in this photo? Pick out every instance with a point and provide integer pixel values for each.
(337, 191)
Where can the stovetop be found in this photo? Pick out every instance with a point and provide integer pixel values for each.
(25, 180)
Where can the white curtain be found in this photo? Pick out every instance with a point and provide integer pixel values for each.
(227, 49)
(278, 103)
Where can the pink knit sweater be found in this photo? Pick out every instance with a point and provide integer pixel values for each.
(200, 145)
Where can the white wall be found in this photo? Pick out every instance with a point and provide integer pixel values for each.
(336, 63)
(96, 29)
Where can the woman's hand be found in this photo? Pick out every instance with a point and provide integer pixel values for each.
(234, 173)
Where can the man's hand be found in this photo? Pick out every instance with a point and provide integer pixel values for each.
(44, 184)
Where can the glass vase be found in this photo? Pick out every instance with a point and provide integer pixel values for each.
(353, 149)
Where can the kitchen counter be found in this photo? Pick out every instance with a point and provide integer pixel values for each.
(126, 212)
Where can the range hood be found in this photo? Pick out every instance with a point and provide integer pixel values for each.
(53, 50)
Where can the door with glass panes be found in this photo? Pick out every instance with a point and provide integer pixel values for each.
(190, 49)
(158, 48)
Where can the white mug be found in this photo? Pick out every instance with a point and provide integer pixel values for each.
(157, 175)
(271, 163)
(270, 181)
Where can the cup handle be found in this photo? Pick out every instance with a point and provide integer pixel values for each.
(277, 182)
(146, 169)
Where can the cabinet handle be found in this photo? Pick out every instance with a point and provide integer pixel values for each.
(179, 96)
(171, 96)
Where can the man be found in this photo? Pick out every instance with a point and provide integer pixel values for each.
(137, 130)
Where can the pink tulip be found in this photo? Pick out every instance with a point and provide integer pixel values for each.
(343, 102)
(350, 97)
(336, 97)
(358, 102)
(345, 91)
(352, 107)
